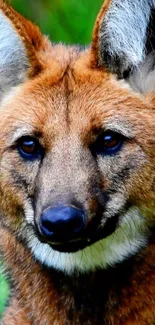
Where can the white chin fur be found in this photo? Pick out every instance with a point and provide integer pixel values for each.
(127, 239)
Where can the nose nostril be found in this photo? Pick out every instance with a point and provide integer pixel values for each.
(48, 226)
(76, 224)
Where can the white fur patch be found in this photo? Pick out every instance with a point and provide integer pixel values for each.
(143, 78)
(123, 32)
(127, 239)
(29, 213)
(13, 58)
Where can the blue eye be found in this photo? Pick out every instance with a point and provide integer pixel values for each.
(29, 148)
(108, 143)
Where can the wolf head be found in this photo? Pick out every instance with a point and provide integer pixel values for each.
(77, 146)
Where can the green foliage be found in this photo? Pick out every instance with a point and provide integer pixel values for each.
(4, 290)
(68, 21)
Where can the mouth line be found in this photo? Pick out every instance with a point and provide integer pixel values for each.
(88, 239)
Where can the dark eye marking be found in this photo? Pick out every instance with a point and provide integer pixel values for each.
(29, 148)
(107, 143)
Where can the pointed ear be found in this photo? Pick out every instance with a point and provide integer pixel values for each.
(120, 34)
(20, 42)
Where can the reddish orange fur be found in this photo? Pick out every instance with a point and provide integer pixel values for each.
(95, 40)
(41, 296)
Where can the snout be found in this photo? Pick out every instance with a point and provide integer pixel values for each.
(62, 223)
(68, 228)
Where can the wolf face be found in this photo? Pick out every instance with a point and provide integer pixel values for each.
(76, 156)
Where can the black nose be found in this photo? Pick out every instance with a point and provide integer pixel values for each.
(62, 223)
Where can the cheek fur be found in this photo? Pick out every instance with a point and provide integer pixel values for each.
(16, 187)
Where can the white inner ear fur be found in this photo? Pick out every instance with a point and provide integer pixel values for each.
(13, 58)
(123, 36)
(143, 77)
(124, 28)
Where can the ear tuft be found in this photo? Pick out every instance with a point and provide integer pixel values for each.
(20, 43)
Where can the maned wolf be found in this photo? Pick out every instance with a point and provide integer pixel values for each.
(77, 170)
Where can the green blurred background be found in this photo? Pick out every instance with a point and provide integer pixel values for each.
(68, 21)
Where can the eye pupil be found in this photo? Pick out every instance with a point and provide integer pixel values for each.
(107, 143)
(110, 141)
(29, 148)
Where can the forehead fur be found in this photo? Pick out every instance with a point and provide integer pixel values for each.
(69, 92)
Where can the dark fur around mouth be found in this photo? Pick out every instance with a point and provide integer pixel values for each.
(87, 239)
